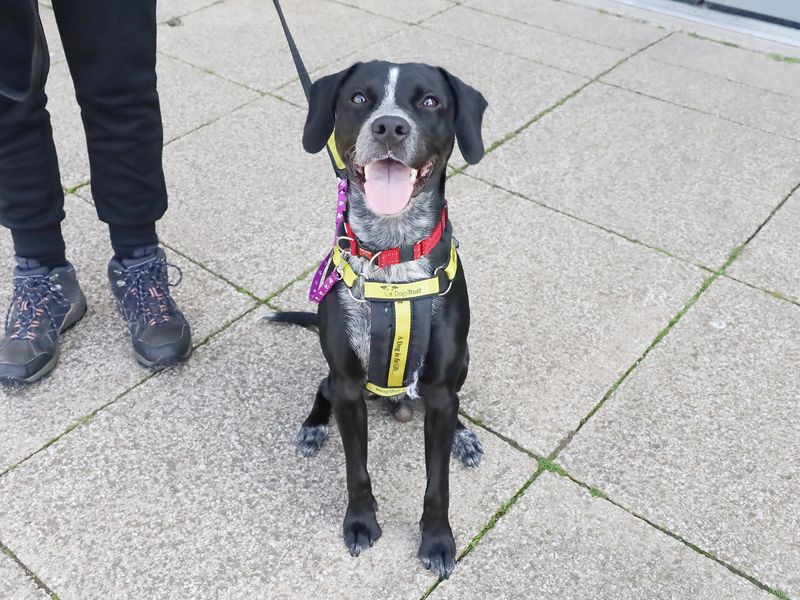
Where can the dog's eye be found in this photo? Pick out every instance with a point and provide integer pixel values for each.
(429, 102)
(358, 98)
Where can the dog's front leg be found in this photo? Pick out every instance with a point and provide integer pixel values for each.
(361, 528)
(438, 549)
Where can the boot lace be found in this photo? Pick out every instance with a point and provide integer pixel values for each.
(32, 298)
(149, 285)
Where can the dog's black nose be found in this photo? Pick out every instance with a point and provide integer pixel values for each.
(390, 130)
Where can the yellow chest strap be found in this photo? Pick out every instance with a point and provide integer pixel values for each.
(379, 290)
(400, 322)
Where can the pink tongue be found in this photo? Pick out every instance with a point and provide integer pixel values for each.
(388, 186)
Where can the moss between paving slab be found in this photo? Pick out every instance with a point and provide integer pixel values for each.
(786, 59)
(553, 467)
(31, 575)
(549, 464)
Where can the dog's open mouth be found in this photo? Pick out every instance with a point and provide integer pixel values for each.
(390, 184)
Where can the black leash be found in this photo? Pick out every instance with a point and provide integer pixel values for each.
(302, 72)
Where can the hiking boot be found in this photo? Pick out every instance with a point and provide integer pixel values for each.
(160, 333)
(46, 302)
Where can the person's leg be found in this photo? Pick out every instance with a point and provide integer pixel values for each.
(47, 299)
(111, 51)
(31, 198)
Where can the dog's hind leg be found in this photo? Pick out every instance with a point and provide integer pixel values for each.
(467, 448)
(314, 431)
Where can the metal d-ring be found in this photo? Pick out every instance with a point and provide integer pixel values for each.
(436, 273)
(371, 262)
(350, 291)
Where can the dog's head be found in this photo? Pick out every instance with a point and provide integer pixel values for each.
(395, 127)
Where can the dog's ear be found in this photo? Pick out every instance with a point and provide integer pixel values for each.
(321, 116)
(470, 106)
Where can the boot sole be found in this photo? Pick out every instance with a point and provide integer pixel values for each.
(161, 364)
(69, 323)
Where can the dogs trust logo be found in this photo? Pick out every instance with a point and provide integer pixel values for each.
(397, 292)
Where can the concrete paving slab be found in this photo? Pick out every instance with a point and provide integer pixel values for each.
(775, 113)
(97, 362)
(751, 68)
(48, 18)
(539, 45)
(261, 209)
(576, 310)
(560, 542)
(15, 583)
(410, 11)
(242, 39)
(190, 487)
(189, 99)
(690, 183)
(702, 438)
(770, 260)
(170, 9)
(575, 21)
(516, 93)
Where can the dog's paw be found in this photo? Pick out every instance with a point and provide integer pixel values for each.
(310, 439)
(437, 552)
(361, 529)
(467, 448)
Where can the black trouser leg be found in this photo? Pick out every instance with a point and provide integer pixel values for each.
(111, 51)
(31, 198)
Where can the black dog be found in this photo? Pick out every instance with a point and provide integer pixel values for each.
(395, 128)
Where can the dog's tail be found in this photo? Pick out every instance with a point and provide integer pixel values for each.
(304, 319)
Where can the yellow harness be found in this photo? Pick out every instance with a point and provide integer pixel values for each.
(401, 316)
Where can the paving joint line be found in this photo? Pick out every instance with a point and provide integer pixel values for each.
(549, 462)
(510, 136)
(87, 418)
(541, 28)
(191, 12)
(774, 293)
(427, 27)
(722, 77)
(598, 493)
(219, 117)
(75, 188)
(213, 73)
(648, 20)
(499, 514)
(270, 297)
(382, 16)
(239, 288)
(697, 110)
(602, 228)
(282, 86)
(28, 572)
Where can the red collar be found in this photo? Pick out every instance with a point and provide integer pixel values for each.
(399, 254)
